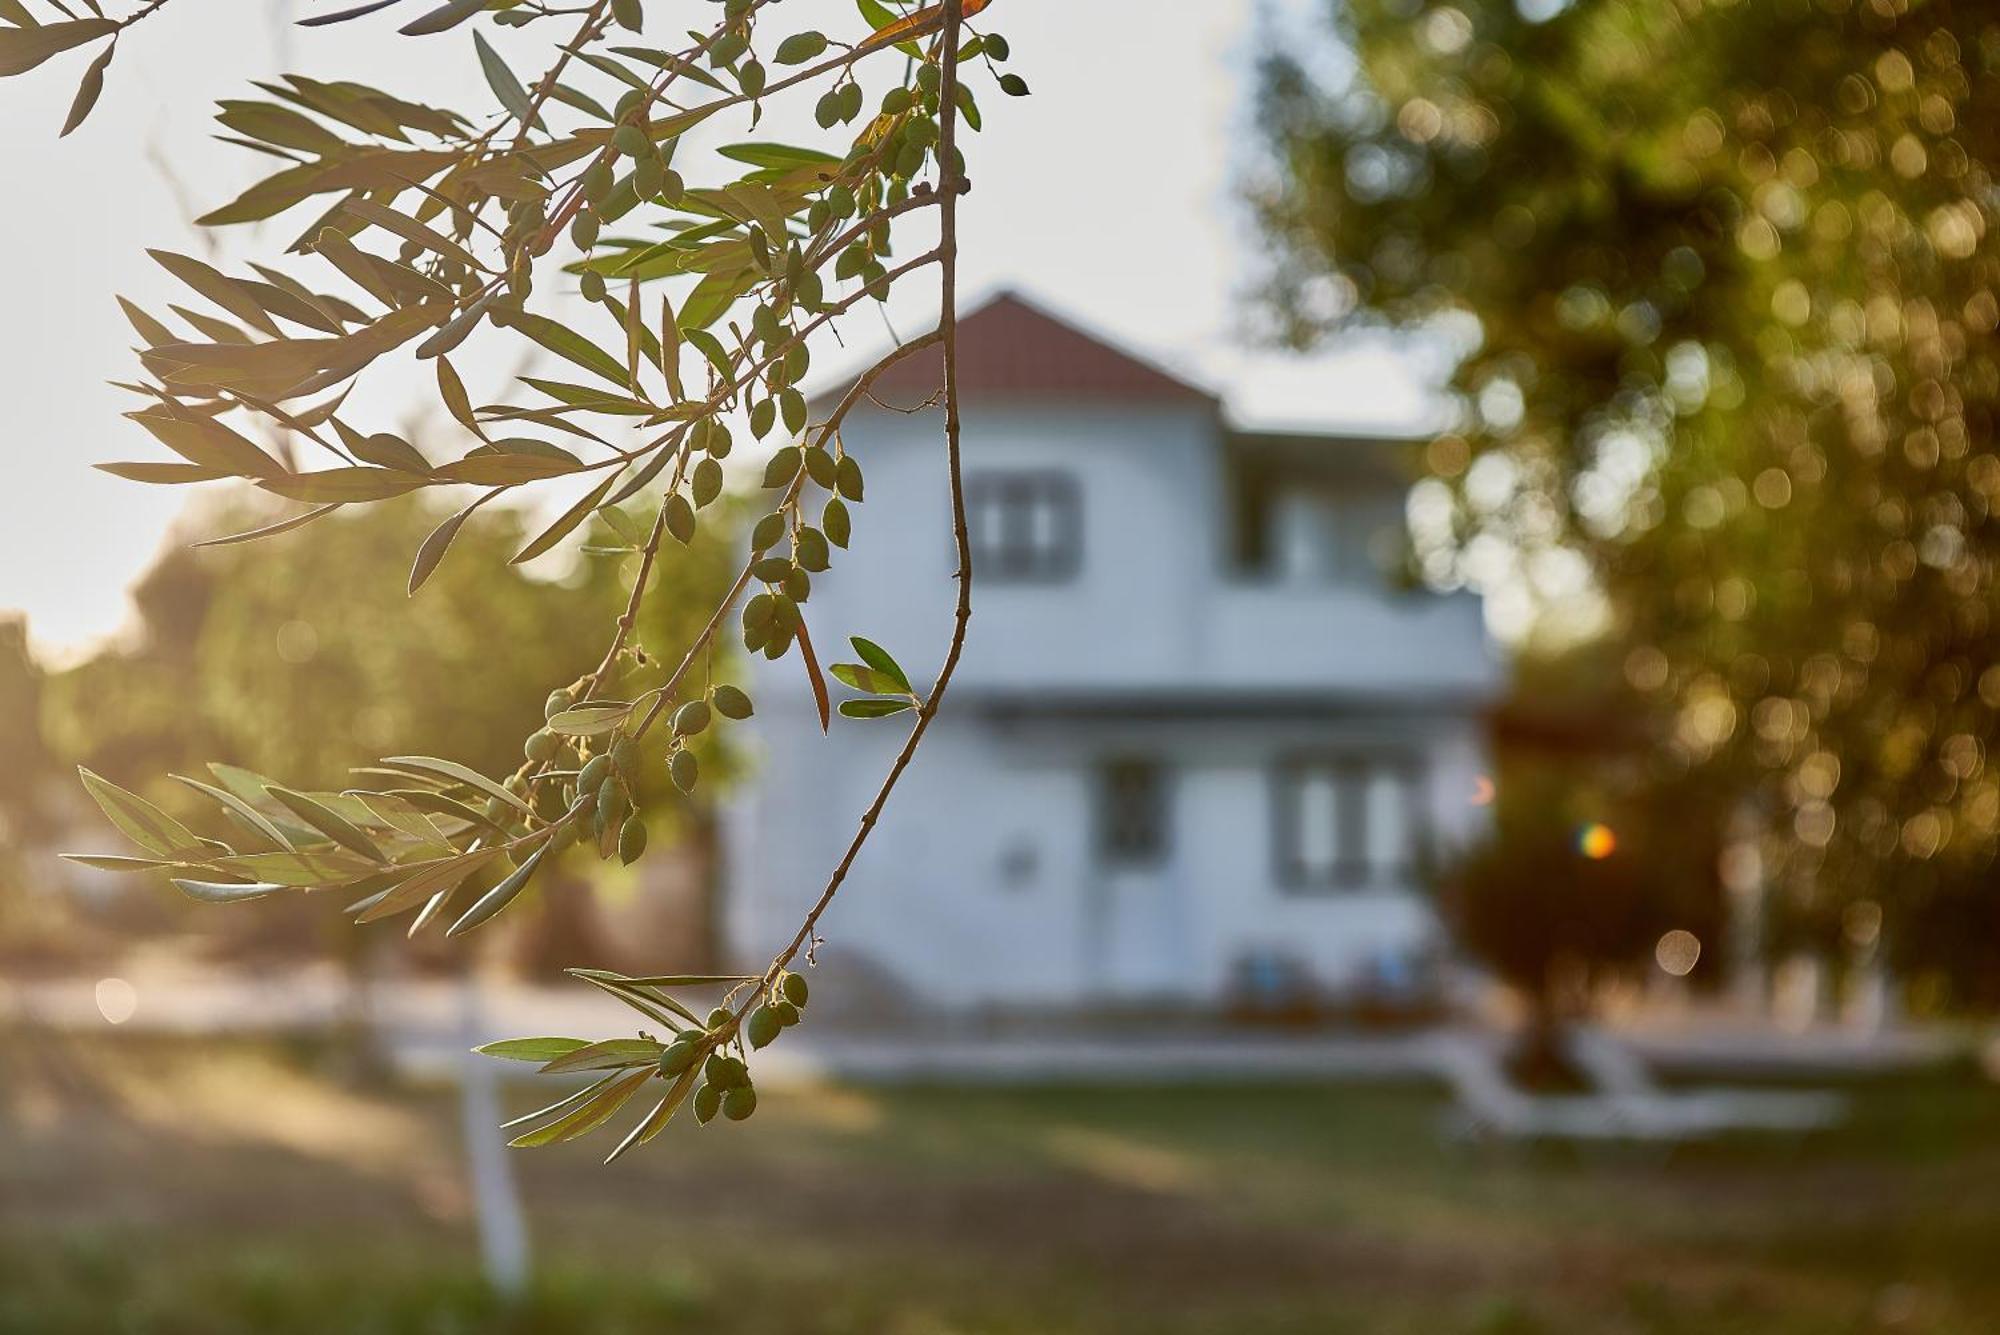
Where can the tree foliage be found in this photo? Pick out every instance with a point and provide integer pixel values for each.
(1735, 296)
(421, 228)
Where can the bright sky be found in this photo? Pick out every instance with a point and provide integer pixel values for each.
(1109, 194)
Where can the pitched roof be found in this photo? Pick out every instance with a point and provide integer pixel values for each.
(1010, 348)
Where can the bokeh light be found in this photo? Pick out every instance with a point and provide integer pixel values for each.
(1677, 952)
(1596, 841)
(117, 1000)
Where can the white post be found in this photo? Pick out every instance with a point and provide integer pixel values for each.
(503, 1234)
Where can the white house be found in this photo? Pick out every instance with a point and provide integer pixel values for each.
(1198, 738)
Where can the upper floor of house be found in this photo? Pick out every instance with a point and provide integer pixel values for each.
(1126, 540)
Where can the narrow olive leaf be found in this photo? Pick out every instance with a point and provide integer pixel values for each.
(656, 1120)
(440, 805)
(499, 897)
(393, 813)
(298, 869)
(653, 1005)
(813, 675)
(255, 818)
(624, 525)
(149, 329)
(329, 823)
(272, 530)
(21, 49)
(875, 656)
(452, 390)
(342, 484)
(777, 155)
(572, 346)
(218, 287)
(437, 544)
(202, 440)
(588, 1116)
(609, 1054)
(568, 1101)
(530, 1049)
(500, 467)
(343, 15)
(431, 882)
(90, 89)
(635, 332)
(709, 346)
(691, 979)
(430, 911)
(506, 85)
(670, 349)
(583, 102)
(140, 821)
(161, 473)
(873, 707)
(864, 679)
(443, 18)
(455, 332)
(568, 521)
(590, 720)
(471, 778)
(217, 892)
(411, 230)
(118, 862)
(385, 449)
(246, 784)
(712, 297)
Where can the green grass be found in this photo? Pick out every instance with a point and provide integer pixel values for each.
(215, 1190)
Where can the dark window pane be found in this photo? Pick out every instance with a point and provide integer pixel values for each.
(1132, 812)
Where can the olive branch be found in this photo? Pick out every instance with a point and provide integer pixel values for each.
(437, 226)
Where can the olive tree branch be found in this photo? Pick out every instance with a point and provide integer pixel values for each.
(848, 401)
(951, 184)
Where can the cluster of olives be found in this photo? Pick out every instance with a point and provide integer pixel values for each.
(725, 1079)
(603, 788)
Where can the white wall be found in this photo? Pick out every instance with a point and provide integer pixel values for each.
(1150, 546)
(931, 900)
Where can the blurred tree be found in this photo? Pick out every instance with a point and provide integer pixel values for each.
(1593, 855)
(27, 780)
(292, 655)
(1735, 309)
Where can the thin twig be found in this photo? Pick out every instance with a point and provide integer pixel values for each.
(949, 186)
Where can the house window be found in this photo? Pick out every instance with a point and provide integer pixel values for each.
(1131, 813)
(1348, 821)
(1024, 527)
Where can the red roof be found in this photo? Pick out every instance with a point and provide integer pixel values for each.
(1011, 349)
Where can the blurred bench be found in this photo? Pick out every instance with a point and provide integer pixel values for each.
(1625, 1104)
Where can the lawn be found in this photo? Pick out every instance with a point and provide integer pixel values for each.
(220, 1189)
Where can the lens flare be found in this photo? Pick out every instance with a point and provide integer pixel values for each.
(1596, 841)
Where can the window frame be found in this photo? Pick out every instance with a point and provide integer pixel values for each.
(1013, 494)
(1355, 866)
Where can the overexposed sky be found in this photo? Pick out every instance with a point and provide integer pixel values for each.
(1109, 194)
